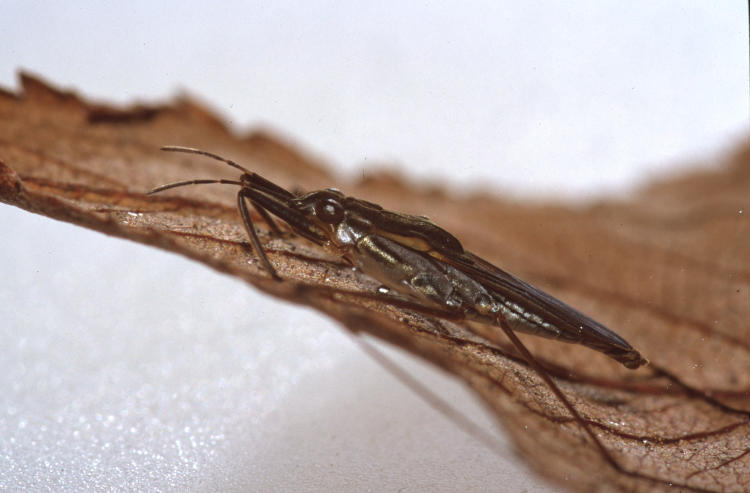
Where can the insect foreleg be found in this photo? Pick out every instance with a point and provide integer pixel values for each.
(267, 218)
(242, 195)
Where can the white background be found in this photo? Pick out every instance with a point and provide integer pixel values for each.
(128, 368)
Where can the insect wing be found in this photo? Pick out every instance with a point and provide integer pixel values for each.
(572, 325)
(416, 232)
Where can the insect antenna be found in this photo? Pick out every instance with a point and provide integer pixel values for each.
(254, 179)
(245, 193)
(192, 182)
(190, 150)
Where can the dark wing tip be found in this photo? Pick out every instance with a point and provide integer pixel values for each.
(632, 360)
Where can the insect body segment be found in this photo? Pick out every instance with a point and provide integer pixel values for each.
(416, 258)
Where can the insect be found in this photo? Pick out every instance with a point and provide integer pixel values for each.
(420, 260)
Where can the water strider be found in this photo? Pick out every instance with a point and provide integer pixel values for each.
(422, 261)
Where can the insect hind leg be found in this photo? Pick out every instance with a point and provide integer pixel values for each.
(526, 354)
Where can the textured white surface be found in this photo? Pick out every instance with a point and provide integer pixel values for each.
(125, 368)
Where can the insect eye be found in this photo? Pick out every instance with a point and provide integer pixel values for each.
(329, 211)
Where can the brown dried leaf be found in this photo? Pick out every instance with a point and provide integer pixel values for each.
(669, 269)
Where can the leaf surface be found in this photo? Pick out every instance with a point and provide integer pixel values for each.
(668, 269)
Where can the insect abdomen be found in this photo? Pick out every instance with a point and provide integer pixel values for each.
(416, 275)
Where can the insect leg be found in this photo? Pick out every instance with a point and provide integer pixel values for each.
(266, 217)
(242, 195)
(556, 390)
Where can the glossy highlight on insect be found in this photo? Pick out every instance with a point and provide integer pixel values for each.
(416, 258)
